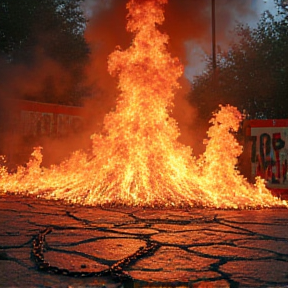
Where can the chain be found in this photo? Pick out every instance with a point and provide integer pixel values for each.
(115, 271)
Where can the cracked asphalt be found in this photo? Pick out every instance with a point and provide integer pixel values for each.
(196, 247)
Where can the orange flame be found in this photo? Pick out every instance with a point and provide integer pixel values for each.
(137, 160)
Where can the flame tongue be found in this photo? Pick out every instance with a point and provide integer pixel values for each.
(148, 163)
(137, 159)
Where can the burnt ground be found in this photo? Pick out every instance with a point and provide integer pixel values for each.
(49, 244)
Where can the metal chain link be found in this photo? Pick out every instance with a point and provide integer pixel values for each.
(115, 271)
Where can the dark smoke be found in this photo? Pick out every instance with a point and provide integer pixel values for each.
(106, 30)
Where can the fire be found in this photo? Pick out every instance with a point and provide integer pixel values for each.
(137, 159)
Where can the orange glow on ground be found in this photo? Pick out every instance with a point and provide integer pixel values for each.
(137, 159)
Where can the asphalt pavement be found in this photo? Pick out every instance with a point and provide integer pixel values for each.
(50, 244)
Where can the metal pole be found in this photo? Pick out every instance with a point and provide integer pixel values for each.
(213, 36)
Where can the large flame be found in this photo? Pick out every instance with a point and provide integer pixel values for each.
(137, 160)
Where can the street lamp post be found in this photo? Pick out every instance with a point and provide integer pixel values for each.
(213, 36)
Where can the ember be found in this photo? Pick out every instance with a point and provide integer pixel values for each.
(137, 160)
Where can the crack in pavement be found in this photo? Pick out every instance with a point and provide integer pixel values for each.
(220, 248)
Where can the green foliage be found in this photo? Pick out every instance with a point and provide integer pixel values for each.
(50, 29)
(15, 24)
(252, 75)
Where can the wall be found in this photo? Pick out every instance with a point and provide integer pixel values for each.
(27, 124)
(266, 151)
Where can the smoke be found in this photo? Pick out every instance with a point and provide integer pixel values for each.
(92, 8)
(187, 22)
(105, 30)
(40, 79)
(192, 130)
(28, 81)
(188, 25)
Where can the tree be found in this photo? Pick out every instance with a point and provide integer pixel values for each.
(52, 28)
(252, 75)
